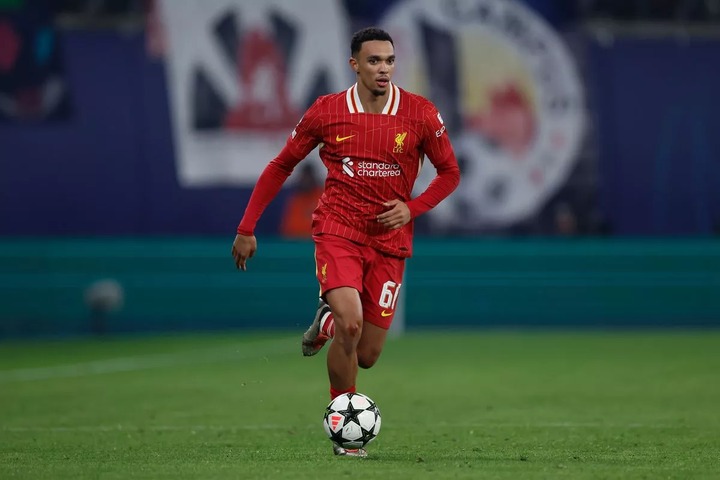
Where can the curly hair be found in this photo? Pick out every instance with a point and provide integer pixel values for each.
(366, 35)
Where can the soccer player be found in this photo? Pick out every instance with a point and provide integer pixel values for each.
(373, 138)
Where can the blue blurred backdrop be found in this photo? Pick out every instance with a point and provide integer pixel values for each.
(621, 234)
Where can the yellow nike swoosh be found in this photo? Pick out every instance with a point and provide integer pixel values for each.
(385, 314)
(338, 138)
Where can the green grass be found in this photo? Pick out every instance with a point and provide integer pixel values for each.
(455, 405)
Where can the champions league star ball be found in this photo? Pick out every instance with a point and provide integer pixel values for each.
(352, 420)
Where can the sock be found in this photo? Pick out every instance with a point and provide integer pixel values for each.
(334, 393)
(327, 325)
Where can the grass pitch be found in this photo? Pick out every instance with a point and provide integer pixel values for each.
(455, 405)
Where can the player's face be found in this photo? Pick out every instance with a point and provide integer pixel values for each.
(375, 64)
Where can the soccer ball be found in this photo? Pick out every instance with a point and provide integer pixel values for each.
(352, 420)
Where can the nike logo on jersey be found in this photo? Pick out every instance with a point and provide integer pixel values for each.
(385, 314)
(338, 138)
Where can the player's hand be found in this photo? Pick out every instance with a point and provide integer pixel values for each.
(243, 247)
(398, 215)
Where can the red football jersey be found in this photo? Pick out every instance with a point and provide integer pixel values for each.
(371, 159)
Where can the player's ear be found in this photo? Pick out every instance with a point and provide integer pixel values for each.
(354, 65)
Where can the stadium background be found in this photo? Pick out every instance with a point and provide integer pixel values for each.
(90, 188)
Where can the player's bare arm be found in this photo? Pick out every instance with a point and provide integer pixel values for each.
(398, 215)
(243, 248)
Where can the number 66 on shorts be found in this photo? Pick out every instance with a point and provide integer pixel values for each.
(340, 262)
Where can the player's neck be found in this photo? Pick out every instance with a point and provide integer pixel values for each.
(372, 103)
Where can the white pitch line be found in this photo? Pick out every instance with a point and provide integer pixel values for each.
(152, 428)
(566, 425)
(199, 428)
(146, 362)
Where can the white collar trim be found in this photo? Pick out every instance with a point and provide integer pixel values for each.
(352, 98)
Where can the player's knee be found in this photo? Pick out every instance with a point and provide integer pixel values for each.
(348, 330)
(368, 357)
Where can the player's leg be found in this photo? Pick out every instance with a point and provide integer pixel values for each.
(371, 344)
(381, 289)
(338, 263)
(342, 360)
(339, 269)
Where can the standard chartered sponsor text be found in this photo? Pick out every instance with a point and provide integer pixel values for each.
(378, 169)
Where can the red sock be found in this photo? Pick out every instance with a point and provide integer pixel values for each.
(334, 393)
(327, 325)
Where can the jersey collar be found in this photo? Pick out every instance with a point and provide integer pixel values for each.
(355, 106)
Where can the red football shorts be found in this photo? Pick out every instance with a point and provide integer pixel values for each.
(340, 262)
